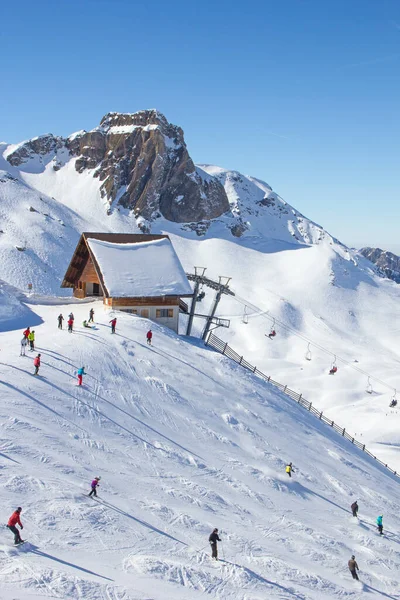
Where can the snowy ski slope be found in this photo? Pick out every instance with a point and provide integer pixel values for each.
(184, 441)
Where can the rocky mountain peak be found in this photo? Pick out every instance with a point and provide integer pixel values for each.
(143, 164)
(388, 263)
(41, 145)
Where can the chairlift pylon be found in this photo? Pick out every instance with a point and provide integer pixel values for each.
(369, 389)
(308, 355)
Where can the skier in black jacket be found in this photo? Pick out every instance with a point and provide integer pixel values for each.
(214, 537)
(354, 508)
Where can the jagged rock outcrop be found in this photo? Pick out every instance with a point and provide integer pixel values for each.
(387, 262)
(143, 164)
(39, 146)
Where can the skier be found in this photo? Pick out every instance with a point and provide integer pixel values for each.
(113, 324)
(36, 364)
(12, 522)
(31, 340)
(81, 372)
(60, 319)
(71, 316)
(149, 336)
(289, 469)
(353, 566)
(24, 343)
(85, 324)
(27, 332)
(354, 508)
(214, 537)
(91, 315)
(379, 523)
(70, 324)
(94, 485)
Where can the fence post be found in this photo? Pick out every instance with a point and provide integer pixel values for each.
(225, 347)
(284, 389)
(240, 361)
(320, 416)
(309, 408)
(300, 397)
(269, 377)
(255, 369)
(343, 431)
(363, 448)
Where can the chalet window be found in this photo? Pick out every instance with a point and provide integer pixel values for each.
(162, 313)
(96, 289)
(145, 313)
(80, 287)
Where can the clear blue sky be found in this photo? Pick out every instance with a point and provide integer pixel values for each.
(302, 93)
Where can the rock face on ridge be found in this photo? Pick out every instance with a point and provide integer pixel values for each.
(387, 262)
(143, 164)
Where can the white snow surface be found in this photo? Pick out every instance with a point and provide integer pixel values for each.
(143, 269)
(184, 441)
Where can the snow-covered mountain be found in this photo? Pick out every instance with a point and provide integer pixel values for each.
(287, 271)
(184, 441)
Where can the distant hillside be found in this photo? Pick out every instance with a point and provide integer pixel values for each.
(387, 262)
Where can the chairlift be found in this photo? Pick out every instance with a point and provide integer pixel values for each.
(200, 295)
(393, 401)
(369, 389)
(245, 318)
(333, 369)
(308, 354)
(272, 333)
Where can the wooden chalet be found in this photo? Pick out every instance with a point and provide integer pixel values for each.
(136, 273)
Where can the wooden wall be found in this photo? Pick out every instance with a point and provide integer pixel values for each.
(89, 274)
(142, 301)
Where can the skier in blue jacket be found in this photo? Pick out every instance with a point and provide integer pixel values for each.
(379, 522)
(81, 372)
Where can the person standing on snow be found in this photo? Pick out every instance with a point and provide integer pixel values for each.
(379, 522)
(91, 315)
(27, 332)
(81, 372)
(94, 485)
(12, 522)
(353, 566)
(31, 340)
(149, 336)
(289, 469)
(214, 537)
(71, 316)
(36, 364)
(24, 343)
(354, 508)
(113, 324)
(60, 319)
(70, 324)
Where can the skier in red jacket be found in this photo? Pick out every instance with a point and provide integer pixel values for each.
(12, 522)
(36, 364)
(113, 324)
(149, 336)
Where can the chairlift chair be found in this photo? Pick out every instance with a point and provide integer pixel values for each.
(245, 318)
(272, 333)
(333, 369)
(369, 389)
(393, 401)
(308, 354)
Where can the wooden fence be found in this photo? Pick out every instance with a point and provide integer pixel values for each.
(223, 348)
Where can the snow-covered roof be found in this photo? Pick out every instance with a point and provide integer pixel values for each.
(150, 268)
